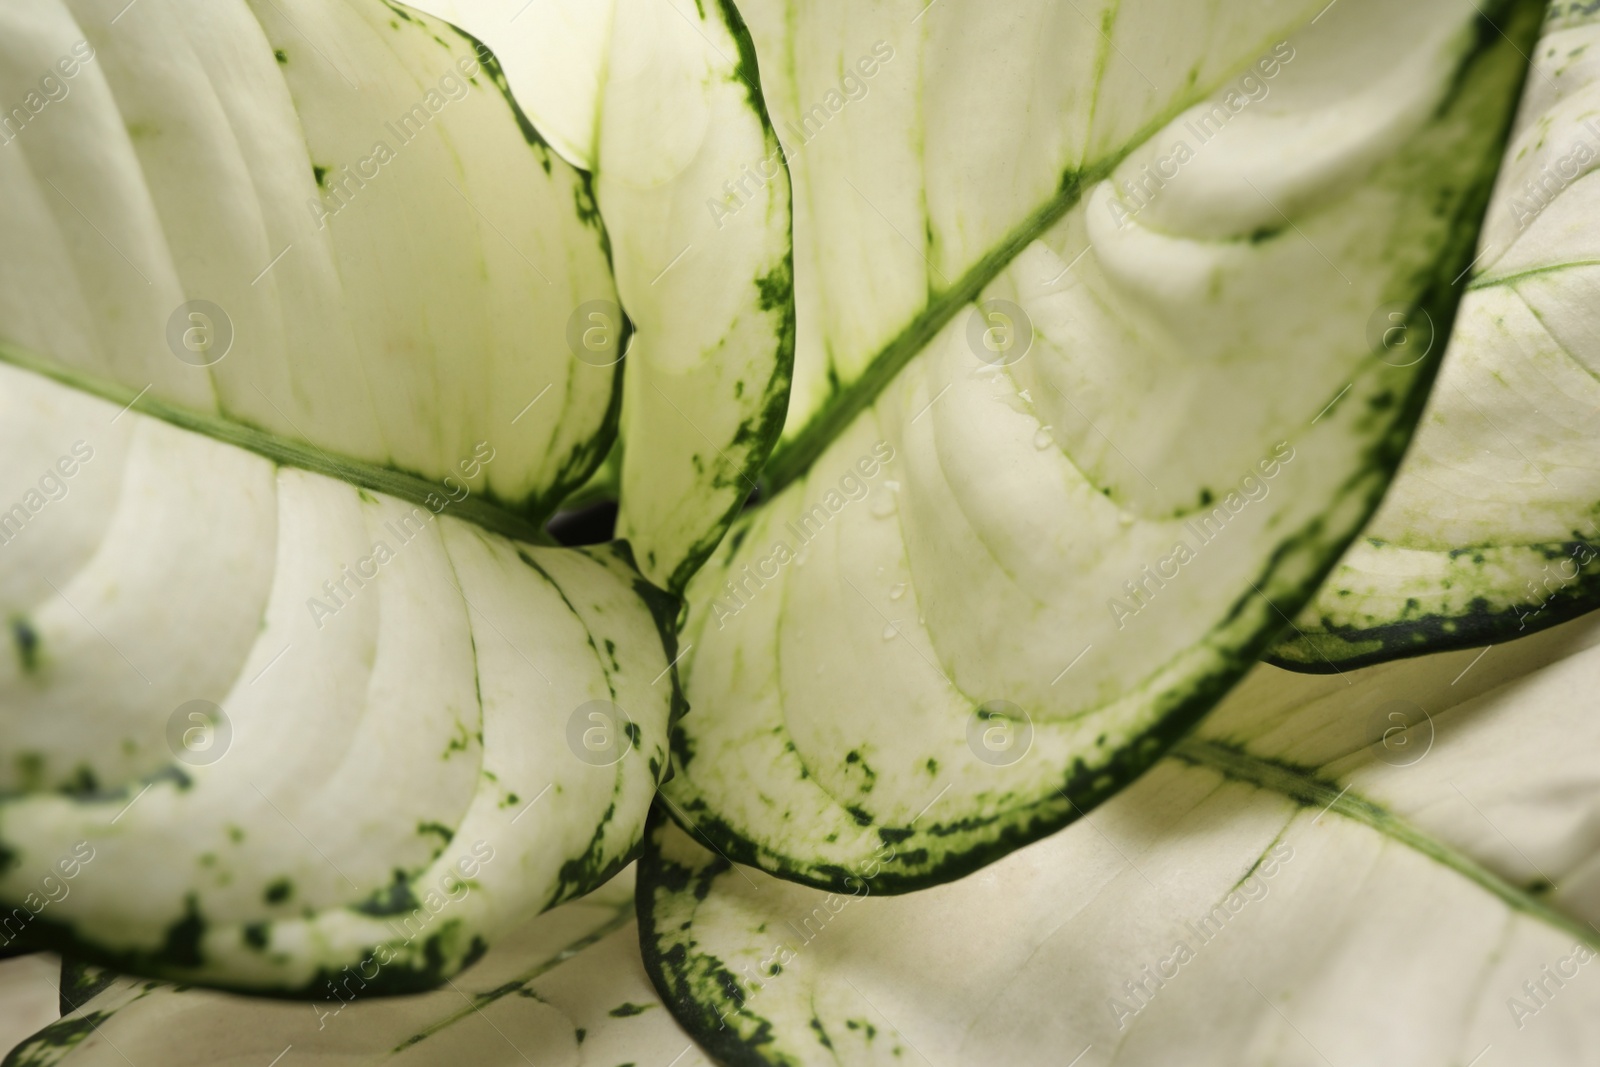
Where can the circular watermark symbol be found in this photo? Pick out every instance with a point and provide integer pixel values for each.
(199, 733)
(594, 333)
(199, 333)
(1401, 335)
(599, 733)
(999, 332)
(1401, 733)
(999, 733)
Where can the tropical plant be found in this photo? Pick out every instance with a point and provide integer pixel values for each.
(1085, 341)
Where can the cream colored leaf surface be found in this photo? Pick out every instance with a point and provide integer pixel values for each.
(28, 1000)
(1395, 867)
(257, 718)
(1063, 520)
(1489, 531)
(555, 55)
(320, 229)
(269, 706)
(660, 100)
(566, 990)
(929, 143)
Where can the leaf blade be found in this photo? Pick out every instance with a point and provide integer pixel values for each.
(948, 593)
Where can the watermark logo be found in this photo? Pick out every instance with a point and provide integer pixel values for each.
(600, 733)
(751, 978)
(1198, 534)
(199, 733)
(594, 333)
(454, 884)
(853, 86)
(53, 87)
(199, 333)
(1575, 562)
(1539, 191)
(1401, 335)
(1138, 191)
(53, 486)
(742, 586)
(999, 733)
(1138, 991)
(1542, 988)
(999, 333)
(341, 185)
(339, 591)
(1401, 732)
(52, 888)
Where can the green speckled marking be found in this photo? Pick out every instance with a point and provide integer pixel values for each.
(706, 997)
(48, 1046)
(700, 990)
(396, 898)
(81, 983)
(794, 458)
(933, 852)
(755, 438)
(258, 935)
(1334, 647)
(182, 945)
(26, 641)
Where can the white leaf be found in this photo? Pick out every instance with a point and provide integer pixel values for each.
(1490, 529)
(660, 99)
(567, 988)
(1063, 521)
(260, 722)
(1396, 867)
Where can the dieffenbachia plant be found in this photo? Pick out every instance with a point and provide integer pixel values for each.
(569, 987)
(1490, 529)
(305, 328)
(1086, 399)
(661, 101)
(1390, 868)
(1104, 357)
(1396, 867)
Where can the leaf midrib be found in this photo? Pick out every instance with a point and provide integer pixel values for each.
(1305, 788)
(1510, 280)
(793, 458)
(622, 916)
(414, 488)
